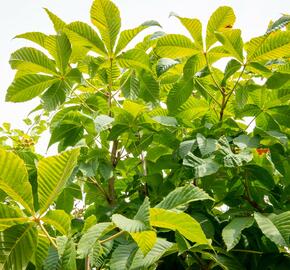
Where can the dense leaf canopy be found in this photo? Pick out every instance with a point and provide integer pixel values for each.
(173, 151)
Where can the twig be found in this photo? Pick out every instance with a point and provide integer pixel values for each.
(111, 237)
(47, 235)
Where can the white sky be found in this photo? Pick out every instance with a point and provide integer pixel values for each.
(20, 16)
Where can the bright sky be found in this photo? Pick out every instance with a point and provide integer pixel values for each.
(20, 16)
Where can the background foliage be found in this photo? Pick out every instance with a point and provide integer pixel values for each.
(157, 167)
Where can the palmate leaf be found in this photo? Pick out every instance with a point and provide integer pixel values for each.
(232, 41)
(54, 96)
(178, 95)
(145, 240)
(17, 245)
(41, 251)
(28, 87)
(14, 179)
(134, 58)
(159, 249)
(202, 167)
(10, 216)
(139, 223)
(122, 256)
(81, 34)
(182, 196)
(181, 222)
(106, 17)
(67, 253)
(273, 46)
(57, 22)
(232, 232)
(127, 35)
(175, 46)
(89, 239)
(36, 37)
(165, 64)
(32, 60)
(129, 257)
(60, 48)
(193, 65)
(275, 227)
(194, 27)
(219, 21)
(149, 87)
(53, 172)
(59, 219)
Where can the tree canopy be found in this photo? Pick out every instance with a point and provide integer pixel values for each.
(173, 150)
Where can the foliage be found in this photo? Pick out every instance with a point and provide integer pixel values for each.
(164, 151)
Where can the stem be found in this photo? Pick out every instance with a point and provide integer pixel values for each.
(87, 263)
(211, 74)
(144, 166)
(114, 160)
(223, 106)
(208, 93)
(235, 86)
(111, 237)
(247, 195)
(247, 251)
(47, 235)
(99, 186)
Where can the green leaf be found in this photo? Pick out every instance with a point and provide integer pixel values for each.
(128, 225)
(10, 216)
(273, 46)
(67, 253)
(17, 245)
(54, 96)
(59, 219)
(275, 227)
(149, 87)
(165, 64)
(278, 80)
(202, 167)
(232, 232)
(231, 68)
(178, 95)
(206, 145)
(182, 196)
(181, 222)
(144, 262)
(89, 239)
(14, 179)
(166, 120)
(219, 21)
(36, 37)
(57, 22)
(28, 87)
(53, 173)
(139, 223)
(81, 34)
(41, 252)
(145, 240)
(32, 61)
(194, 27)
(175, 46)
(134, 58)
(127, 35)
(122, 256)
(60, 48)
(233, 43)
(193, 65)
(280, 23)
(106, 17)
